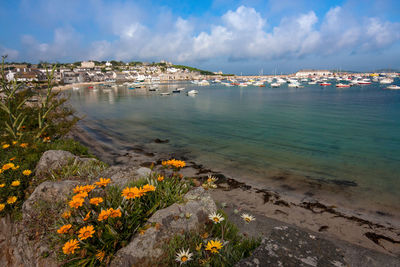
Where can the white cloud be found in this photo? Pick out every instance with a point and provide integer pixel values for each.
(238, 34)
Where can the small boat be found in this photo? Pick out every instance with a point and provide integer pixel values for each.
(325, 84)
(75, 88)
(164, 94)
(176, 91)
(192, 92)
(341, 85)
(132, 88)
(275, 85)
(393, 87)
(90, 87)
(181, 89)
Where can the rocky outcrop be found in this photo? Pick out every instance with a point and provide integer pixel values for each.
(55, 159)
(147, 249)
(121, 175)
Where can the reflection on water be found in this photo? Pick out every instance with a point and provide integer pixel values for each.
(258, 133)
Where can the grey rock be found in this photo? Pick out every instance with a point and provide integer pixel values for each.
(143, 172)
(121, 175)
(48, 192)
(53, 159)
(147, 249)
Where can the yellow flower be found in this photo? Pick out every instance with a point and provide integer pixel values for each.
(2, 185)
(148, 188)
(104, 214)
(6, 146)
(83, 188)
(247, 218)
(86, 232)
(15, 168)
(100, 255)
(24, 145)
(160, 178)
(214, 246)
(2, 206)
(11, 200)
(8, 166)
(89, 188)
(76, 203)
(87, 216)
(80, 195)
(96, 200)
(174, 163)
(64, 229)
(115, 213)
(132, 192)
(14, 142)
(198, 247)
(70, 246)
(66, 215)
(27, 172)
(15, 183)
(103, 182)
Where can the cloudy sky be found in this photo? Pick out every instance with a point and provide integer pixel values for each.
(232, 36)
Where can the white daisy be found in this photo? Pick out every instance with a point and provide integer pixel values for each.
(247, 218)
(216, 218)
(183, 256)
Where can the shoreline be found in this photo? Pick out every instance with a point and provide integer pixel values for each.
(309, 213)
(70, 86)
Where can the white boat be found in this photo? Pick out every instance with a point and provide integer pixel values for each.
(393, 87)
(386, 81)
(275, 85)
(180, 89)
(192, 92)
(164, 94)
(75, 88)
(342, 85)
(204, 83)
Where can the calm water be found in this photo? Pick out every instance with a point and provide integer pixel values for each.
(350, 134)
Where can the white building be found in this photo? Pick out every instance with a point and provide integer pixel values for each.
(306, 73)
(87, 64)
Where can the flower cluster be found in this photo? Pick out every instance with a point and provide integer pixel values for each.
(12, 183)
(98, 218)
(174, 163)
(210, 182)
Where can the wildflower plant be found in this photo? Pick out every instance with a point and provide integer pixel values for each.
(100, 218)
(219, 244)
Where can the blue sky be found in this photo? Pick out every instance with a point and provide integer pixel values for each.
(232, 36)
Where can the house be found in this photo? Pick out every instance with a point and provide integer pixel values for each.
(306, 73)
(87, 64)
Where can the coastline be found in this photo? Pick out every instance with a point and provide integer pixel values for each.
(380, 233)
(70, 86)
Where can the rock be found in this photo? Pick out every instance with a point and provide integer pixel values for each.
(48, 192)
(53, 159)
(288, 246)
(143, 172)
(147, 249)
(121, 175)
(160, 141)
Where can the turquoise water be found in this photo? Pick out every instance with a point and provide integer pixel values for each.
(328, 134)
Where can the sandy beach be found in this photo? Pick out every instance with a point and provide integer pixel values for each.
(379, 232)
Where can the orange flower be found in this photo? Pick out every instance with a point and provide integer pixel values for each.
(14, 142)
(148, 188)
(15, 183)
(8, 166)
(26, 172)
(11, 199)
(24, 145)
(160, 178)
(174, 163)
(76, 203)
(86, 232)
(70, 246)
(2, 185)
(66, 215)
(6, 146)
(104, 214)
(13, 158)
(103, 182)
(46, 139)
(64, 229)
(100, 255)
(15, 168)
(85, 188)
(96, 200)
(115, 213)
(80, 195)
(87, 216)
(132, 192)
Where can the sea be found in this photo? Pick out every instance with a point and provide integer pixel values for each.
(341, 144)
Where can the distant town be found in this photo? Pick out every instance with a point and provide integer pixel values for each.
(118, 71)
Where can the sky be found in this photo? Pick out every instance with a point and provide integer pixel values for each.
(246, 37)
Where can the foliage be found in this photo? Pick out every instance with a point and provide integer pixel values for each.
(234, 246)
(15, 157)
(100, 221)
(202, 72)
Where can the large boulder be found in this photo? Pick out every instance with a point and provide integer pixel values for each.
(121, 175)
(51, 192)
(53, 159)
(147, 249)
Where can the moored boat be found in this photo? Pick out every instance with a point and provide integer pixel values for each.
(325, 84)
(393, 87)
(342, 85)
(192, 92)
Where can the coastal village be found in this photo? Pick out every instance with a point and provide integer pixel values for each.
(117, 71)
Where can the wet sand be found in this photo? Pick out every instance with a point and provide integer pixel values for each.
(294, 202)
